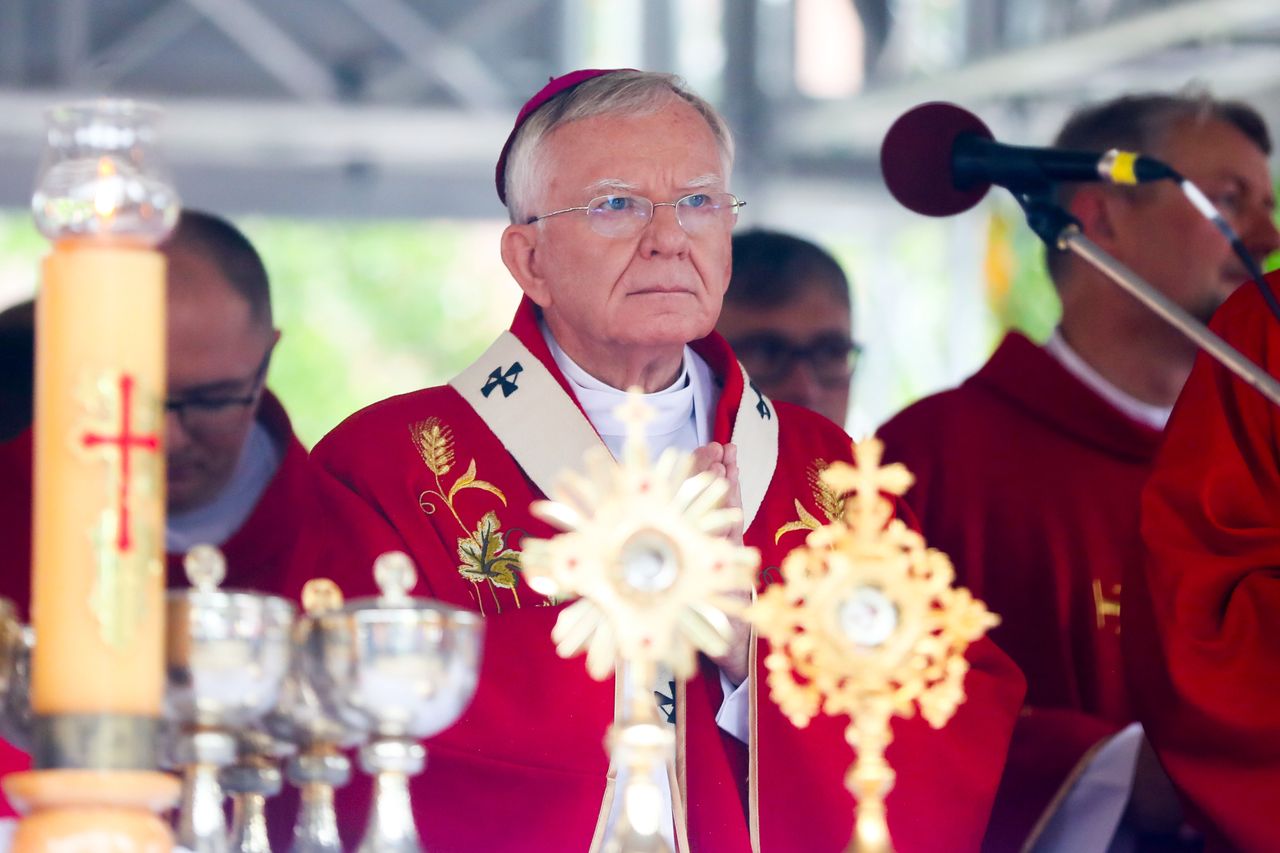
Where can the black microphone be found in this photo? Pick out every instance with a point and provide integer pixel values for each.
(939, 159)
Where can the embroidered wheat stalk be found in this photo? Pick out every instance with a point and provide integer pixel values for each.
(435, 444)
(829, 501)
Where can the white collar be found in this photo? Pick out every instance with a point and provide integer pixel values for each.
(215, 522)
(682, 410)
(1148, 414)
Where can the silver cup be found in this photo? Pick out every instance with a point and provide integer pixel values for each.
(398, 669)
(301, 719)
(16, 643)
(226, 656)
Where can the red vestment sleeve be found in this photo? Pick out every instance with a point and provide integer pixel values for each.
(1202, 622)
(1049, 746)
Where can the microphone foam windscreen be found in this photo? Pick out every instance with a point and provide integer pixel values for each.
(915, 159)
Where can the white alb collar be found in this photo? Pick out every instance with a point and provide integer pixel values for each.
(1156, 417)
(682, 410)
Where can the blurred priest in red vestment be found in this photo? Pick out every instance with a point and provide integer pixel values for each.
(1029, 473)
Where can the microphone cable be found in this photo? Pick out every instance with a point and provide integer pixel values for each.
(1207, 209)
(1118, 167)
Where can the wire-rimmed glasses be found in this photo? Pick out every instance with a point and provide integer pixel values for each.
(627, 215)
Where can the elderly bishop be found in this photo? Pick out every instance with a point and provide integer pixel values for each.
(617, 183)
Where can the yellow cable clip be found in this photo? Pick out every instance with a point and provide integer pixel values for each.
(1118, 167)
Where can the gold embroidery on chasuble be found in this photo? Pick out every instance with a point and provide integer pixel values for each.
(483, 555)
(829, 503)
(1104, 607)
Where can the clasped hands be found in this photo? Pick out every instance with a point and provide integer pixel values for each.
(722, 460)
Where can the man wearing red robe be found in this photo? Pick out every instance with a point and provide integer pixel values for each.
(1029, 473)
(617, 186)
(788, 315)
(237, 477)
(1202, 621)
(235, 472)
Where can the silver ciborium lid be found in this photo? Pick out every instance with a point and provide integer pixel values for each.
(226, 651)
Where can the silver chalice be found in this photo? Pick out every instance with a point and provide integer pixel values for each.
(398, 669)
(227, 653)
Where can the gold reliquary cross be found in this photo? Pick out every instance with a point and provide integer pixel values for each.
(866, 623)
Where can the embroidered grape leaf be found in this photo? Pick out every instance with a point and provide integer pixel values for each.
(484, 555)
(435, 444)
(468, 481)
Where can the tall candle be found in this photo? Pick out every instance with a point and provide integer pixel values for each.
(98, 584)
(97, 677)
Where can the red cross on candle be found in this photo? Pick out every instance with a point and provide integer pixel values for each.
(125, 441)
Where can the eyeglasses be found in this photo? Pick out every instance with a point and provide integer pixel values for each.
(208, 415)
(769, 358)
(627, 215)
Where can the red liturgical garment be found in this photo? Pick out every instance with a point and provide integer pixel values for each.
(1030, 482)
(1202, 622)
(447, 474)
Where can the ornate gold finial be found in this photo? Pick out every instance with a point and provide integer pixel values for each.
(644, 554)
(866, 623)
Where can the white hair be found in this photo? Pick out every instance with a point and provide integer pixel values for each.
(619, 92)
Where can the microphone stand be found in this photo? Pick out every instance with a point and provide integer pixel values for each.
(1060, 230)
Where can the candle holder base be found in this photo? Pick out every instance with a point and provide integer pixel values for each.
(92, 810)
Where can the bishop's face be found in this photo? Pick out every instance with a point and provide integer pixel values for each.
(609, 297)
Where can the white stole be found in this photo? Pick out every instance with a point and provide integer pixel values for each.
(543, 429)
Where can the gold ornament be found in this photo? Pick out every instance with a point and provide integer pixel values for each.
(645, 556)
(644, 553)
(866, 623)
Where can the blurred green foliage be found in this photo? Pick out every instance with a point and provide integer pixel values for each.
(369, 310)
(1030, 303)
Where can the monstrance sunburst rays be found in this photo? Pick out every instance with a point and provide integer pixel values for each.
(644, 553)
(866, 623)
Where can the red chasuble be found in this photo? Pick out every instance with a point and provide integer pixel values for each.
(16, 464)
(1202, 623)
(15, 554)
(524, 769)
(261, 548)
(1030, 482)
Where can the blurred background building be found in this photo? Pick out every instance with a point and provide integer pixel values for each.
(356, 140)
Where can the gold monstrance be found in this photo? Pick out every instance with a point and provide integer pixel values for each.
(644, 554)
(866, 623)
